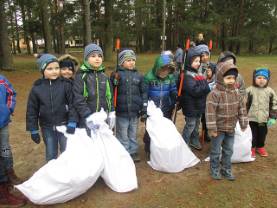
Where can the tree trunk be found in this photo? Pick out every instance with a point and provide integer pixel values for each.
(46, 26)
(271, 41)
(223, 47)
(25, 28)
(33, 37)
(12, 28)
(5, 48)
(239, 25)
(17, 33)
(87, 22)
(108, 43)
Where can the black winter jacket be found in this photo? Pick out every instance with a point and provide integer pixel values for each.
(132, 95)
(50, 103)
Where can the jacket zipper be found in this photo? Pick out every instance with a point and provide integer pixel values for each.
(51, 101)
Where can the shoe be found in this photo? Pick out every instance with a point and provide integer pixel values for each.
(12, 177)
(8, 199)
(215, 174)
(228, 175)
(262, 152)
(135, 157)
(196, 146)
(253, 152)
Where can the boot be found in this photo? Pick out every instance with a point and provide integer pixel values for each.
(135, 157)
(12, 177)
(8, 199)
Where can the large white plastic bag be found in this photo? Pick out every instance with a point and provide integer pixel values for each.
(169, 152)
(119, 169)
(68, 176)
(242, 145)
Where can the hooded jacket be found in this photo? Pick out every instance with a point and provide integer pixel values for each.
(7, 101)
(50, 103)
(92, 91)
(224, 105)
(162, 91)
(72, 59)
(195, 88)
(261, 102)
(132, 97)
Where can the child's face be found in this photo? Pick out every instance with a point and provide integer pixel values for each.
(66, 73)
(129, 64)
(163, 72)
(95, 60)
(52, 71)
(261, 81)
(205, 58)
(229, 80)
(195, 62)
(209, 73)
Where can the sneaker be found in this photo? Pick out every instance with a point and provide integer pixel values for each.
(135, 157)
(215, 174)
(228, 175)
(8, 199)
(196, 146)
(253, 152)
(262, 152)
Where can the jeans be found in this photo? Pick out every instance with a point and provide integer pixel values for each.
(52, 139)
(191, 130)
(126, 133)
(6, 153)
(226, 141)
(3, 173)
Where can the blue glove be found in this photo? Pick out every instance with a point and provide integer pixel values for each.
(271, 122)
(35, 136)
(70, 128)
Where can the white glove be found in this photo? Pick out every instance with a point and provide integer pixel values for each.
(211, 85)
(111, 119)
(95, 120)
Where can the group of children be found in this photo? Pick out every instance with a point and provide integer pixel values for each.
(68, 94)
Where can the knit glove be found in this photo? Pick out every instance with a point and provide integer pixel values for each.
(70, 128)
(35, 136)
(111, 119)
(271, 122)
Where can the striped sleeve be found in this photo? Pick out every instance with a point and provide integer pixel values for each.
(243, 119)
(11, 94)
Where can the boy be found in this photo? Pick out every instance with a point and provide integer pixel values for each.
(204, 58)
(161, 88)
(7, 105)
(92, 89)
(50, 105)
(262, 109)
(224, 107)
(179, 58)
(69, 66)
(131, 101)
(193, 97)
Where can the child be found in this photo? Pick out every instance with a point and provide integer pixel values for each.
(193, 97)
(69, 66)
(262, 109)
(161, 88)
(179, 58)
(92, 89)
(131, 101)
(210, 73)
(204, 58)
(50, 105)
(7, 105)
(224, 107)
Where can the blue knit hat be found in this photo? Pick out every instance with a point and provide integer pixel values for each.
(45, 59)
(125, 55)
(202, 49)
(262, 72)
(92, 48)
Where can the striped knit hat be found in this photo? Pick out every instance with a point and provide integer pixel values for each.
(125, 55)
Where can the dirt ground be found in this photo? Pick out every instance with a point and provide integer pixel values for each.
(256, 184)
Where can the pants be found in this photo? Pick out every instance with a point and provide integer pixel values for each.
(259, 132)
(6, 153)
(226, 141)
(126, 133)
(191, 130)
(146, 137)
(52, 140)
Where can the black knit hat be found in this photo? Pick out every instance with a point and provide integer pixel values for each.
(67, 63)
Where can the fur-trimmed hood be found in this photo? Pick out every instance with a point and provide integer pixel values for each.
(71, 58)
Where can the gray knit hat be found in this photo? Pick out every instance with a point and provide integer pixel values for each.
(92, 48)
(126, 54)
(45, 59)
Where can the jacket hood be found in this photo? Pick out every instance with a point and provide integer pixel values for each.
(161, 61)
(225, 55)
(70, 58)
(192, 52)
(222, 68)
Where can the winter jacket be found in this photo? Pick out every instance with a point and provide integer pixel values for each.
(131, 97)
(162, 91)
(195, 88)
(50, 103)
(224, 105)
(179, 56)
(7, 101)
(92, 91)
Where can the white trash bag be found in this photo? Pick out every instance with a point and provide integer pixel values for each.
(169, 152)
(119, 169)
(68, 176)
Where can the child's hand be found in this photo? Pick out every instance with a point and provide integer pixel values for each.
(212, 134)
(271, 122)
(35, 136)
(70, 128)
